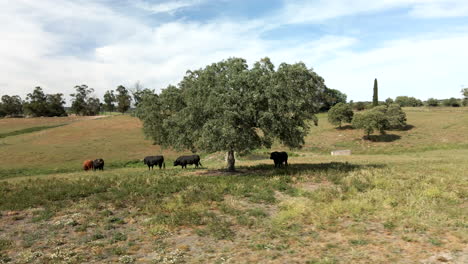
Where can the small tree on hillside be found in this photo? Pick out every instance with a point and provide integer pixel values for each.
(405, 101)
(465, 95)
(370, 121)
(11, 105)
(340, 113)
(359, 106)
(228, 107)
(432, 102)
(36, 103)
(93, 106)
(55, 105)
(109, 100)
(80, 99)
(375, 97)
(331, 97)
(124, 99)
(396, 117)
(454, 102)
(389, 101)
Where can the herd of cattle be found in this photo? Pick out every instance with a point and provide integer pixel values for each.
(98, 164)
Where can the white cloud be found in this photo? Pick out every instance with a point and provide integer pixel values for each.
(303, 11)
(167, 7)
(39, 43)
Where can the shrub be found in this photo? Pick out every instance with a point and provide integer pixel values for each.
(452, 102)
(396, 117)
(370, 121)
(359, 106)
(405, 101)
(340, 113)
(432, 102)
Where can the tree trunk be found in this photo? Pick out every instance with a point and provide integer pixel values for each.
(231, 160)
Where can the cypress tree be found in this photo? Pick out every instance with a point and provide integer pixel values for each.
(375, 98)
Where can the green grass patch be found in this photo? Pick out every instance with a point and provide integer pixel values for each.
(28, 130)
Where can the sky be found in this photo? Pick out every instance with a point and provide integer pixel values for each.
(413, 47)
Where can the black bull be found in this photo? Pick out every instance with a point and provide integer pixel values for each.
(98, 164)
(184, 160)
(279, 158)
(151, 161)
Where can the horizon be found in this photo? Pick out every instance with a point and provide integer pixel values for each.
(413, 47)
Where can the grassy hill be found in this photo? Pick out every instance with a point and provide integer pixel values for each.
(400, 200)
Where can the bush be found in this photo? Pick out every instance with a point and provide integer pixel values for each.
(340, 113)
(380, 118)
(453, 102)
(432, 102)
(405, 101)
(396, 117)
(370, 120)
(389, 101)
(359, 106)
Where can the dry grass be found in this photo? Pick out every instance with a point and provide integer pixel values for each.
(12, 124)
(430, 129)
(406, 205)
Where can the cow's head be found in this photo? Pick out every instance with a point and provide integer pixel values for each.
(273, 155)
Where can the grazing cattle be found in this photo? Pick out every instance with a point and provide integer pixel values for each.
(98, 164)
(154, 161)
(279, 158)
(184, 160)
(88, 165)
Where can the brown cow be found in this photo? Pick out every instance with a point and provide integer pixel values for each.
(88, 165)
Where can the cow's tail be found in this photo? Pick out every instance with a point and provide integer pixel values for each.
(164, 164)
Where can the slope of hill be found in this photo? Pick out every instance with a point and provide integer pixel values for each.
(405, 205)
(120, 141)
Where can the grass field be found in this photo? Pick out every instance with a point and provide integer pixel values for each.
(399, 199)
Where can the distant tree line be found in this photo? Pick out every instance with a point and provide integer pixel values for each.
(83, 102)
(407, 101)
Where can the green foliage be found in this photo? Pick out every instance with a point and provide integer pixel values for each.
(375, 97)
(11, 106)
(370, 121)
(432, 102)
(109, 100)
(39, 104)
(395, 116)
(389, 101)
(340, 113)
(405, 101)
(55, 105)
(330, 98)
(228, 107)
(359, 106)
(83, 103)
(464, 92)
(381, 118)
(138, 92)
(124, 99)
(453, 102)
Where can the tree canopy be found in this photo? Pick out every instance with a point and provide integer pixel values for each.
(228, 107)
(40, 104)
(340, 113)
(83, 103)
(405, 101)
(124, 99)
(109, 100)
(11, 105)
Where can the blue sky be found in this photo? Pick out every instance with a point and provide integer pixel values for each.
(413, 47)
